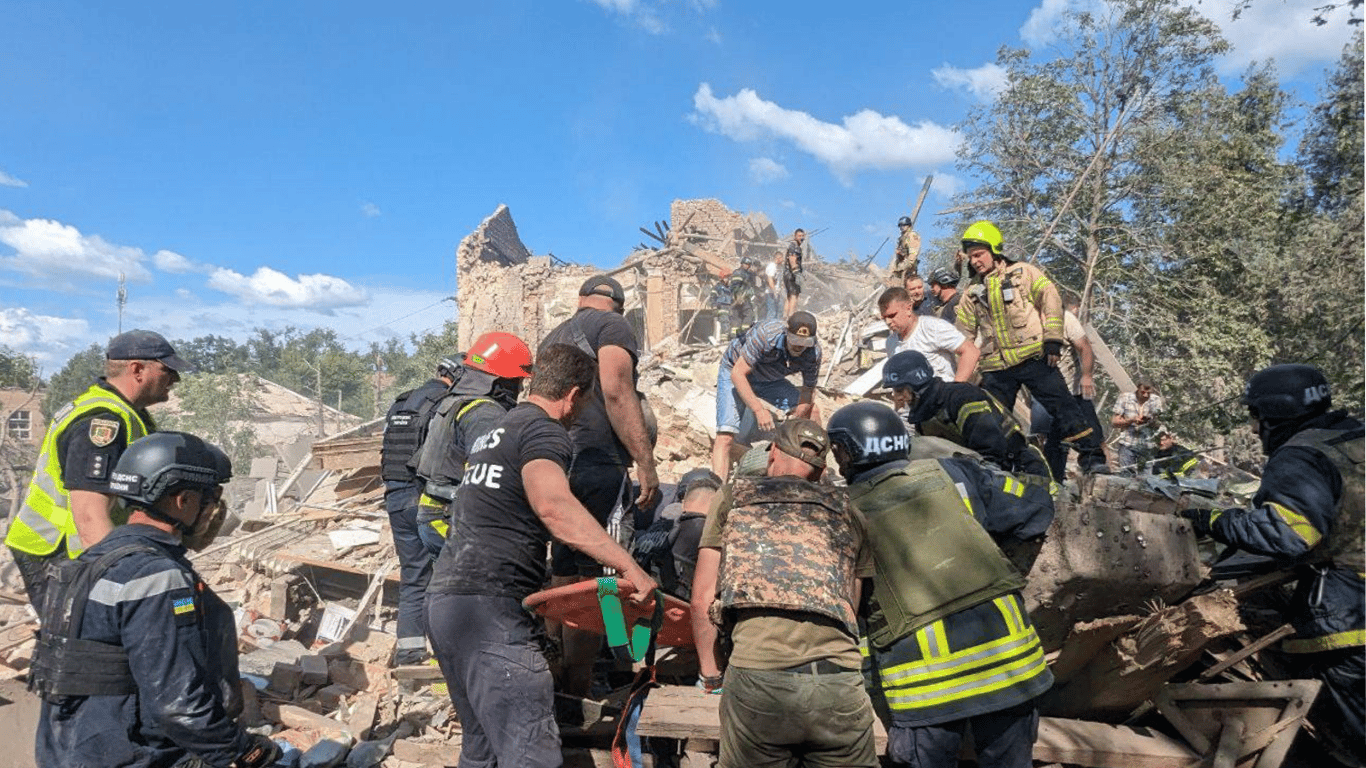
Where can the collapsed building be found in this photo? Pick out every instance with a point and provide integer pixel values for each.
(1156, 663)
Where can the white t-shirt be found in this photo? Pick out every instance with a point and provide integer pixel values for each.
(936, 340)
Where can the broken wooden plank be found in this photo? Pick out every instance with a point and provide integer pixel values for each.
(1100, 745)
(1283, 631)
(363, 715)
(1272, 712)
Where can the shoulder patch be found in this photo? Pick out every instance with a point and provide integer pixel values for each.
(103, 431)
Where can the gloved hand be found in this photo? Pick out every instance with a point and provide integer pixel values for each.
(262, 752)
(710, 684)
(1200, 519)
(1052, 352)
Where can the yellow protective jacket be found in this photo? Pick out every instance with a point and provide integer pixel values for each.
(45, 519)
(1016, 308)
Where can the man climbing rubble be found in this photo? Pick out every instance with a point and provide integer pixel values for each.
(907, 248)
(795, 260)
(1018, 312)
(405, 426)
(1308, 514)
(754, 371)
(514, 499)
(952, 355)
(948, 648)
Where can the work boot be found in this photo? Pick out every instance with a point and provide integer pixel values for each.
(408, 657)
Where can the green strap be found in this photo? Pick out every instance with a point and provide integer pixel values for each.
(614, 621)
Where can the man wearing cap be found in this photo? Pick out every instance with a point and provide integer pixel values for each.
(68, 503)
(754, 371)
(609, 435)
(944, 291)
(778, 574)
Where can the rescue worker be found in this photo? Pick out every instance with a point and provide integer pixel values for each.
(136, 663)
(779, 574)
(1307, 513)
(405, 426)
(489, 385)
(1018, 312)
(944, 291)
(948, 648)
(907, 248)
(962, 413)
(794, 260)
(1172, 459)
(747, 290)
(68, 504)
(514, 499)
(609, 436)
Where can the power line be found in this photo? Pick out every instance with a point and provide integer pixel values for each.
(397, 319)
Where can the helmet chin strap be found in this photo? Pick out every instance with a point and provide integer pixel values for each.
(180, 525)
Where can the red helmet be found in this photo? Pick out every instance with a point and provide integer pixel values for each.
(500, 354)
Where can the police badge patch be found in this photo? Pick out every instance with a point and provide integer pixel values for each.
(103, 432)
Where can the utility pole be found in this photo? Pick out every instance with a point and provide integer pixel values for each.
(122, 298)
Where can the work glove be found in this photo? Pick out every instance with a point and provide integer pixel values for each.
(1201, 520)
(1052, 352)
(262, 752)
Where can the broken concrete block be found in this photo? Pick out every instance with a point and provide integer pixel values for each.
(264, 468)
(1101, 561)
(331, 696)
(325, 754)
(314, 670)
(279, 607)
(285, 678)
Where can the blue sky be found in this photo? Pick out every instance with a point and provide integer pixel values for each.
(316, 163)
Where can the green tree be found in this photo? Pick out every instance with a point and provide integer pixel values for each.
(17, 370)
(217, 407)
(214, 354)
(74, 378)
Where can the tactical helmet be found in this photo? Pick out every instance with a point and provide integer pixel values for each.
(984, 233)
(500, 354)
(865, 435)
(697, 478)
(164, 463)
(749, 262)
(904, 221)
(908, 369)
(1287, 392)
(447, 366)
(944, 277)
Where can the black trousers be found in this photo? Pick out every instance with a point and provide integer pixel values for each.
(1002, 739)
(1055, 450)
(1046, 385)
(414, 566)
(33, 571)
(596, 480)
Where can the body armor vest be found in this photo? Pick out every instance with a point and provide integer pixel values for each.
(789, 544)
(1344, 542)
(440, 461)
(404, 427)
(922, 576)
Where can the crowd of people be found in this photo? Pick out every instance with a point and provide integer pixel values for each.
(817, 607)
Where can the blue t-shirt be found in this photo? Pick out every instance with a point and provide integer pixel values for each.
(765, 349)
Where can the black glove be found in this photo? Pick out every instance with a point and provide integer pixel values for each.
(261, 753)
(1200, 520)
(1052, 350)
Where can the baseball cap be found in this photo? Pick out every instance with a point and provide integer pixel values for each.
(146, 345)
(944, 276)
(602, 285)
(804, 439)
(801, 329)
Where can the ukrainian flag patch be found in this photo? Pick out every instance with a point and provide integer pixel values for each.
(183, 606)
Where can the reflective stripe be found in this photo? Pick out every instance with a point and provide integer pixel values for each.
(971, 409)
(461, 413)
(1006, 606)
(441, 527)
(106, 592)
(1297, 523)
(1029, 663)
(1352, 638)
(1012, 486)
(968, 657)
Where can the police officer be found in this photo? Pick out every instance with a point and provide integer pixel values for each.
(137, 659)
(948, 647)
(68, 503)
(405, 426)
(1308, 514)
(1019, 313)
(962, 413)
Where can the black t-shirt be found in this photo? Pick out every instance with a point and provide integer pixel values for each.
(90, 446)
(592, 429)
(497, 544)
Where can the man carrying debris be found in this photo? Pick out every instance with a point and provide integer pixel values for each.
(754, 371)
(945, 293)
(1017, 311)
(608, 436)
(1308, 514)
(948, 648)
(490, 382)
(952, 355)
(514, 499)
(907, 248)
(137, 659)
(794, 261)
(960, 412)
(779, 572)
(404, 429)
(68, 504)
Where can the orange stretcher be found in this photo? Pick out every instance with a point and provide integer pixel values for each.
(579, 606)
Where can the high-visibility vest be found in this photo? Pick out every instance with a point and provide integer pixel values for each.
(45, 519)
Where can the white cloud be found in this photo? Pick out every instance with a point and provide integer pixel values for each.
(321, 293)
(370, 210)
(864, 140)
(946, 185)
(1041, 28)
(51, 340)
(7, 180)
(617, 6)
(52, 250)
(641, 14)
(170, 261)
(763, 170)
(712, 36)
(984, 82)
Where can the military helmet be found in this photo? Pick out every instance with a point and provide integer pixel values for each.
(500, 354)
(448, 367)
(865, 435)
(1287, 392)
(944, 277)
(984, 233)
(697, 478)
(908, 369)
(164, 463)
(904, 221)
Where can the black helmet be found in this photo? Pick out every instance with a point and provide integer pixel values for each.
(448, 366)
(865, 435)
(904, 221)
(697, 478)
(163, 463)
(908, 369)
(944, 277)
(1287, 393)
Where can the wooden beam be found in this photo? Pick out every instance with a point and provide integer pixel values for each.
(1100, 745)
(1108, 361)
(1285, 630)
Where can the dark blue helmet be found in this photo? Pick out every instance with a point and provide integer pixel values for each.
(908, 369)
(865, 435)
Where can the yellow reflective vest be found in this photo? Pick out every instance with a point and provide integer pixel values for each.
(45, 519)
